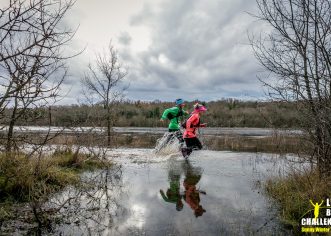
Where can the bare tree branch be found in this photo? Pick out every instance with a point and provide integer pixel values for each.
(32, 61)
(103, 80)
(297, 53)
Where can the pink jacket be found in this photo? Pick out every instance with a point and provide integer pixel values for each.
(192, 124)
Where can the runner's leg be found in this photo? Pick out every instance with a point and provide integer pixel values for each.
(179, 136)
(186, 151)
(196, 143)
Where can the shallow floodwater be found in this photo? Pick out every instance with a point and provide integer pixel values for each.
(219, 131)
(212, 193)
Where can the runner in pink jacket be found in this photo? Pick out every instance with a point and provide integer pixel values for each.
(190, 137)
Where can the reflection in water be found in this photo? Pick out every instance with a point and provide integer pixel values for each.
(88, 209)
(139, 196)
(173, 194)
(191, 195)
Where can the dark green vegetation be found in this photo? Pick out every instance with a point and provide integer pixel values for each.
(223, 113)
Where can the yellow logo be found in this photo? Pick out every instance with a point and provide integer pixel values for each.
(321, 223)
(316, 208)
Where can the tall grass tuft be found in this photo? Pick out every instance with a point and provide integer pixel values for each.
(293, 192)
(24, 179)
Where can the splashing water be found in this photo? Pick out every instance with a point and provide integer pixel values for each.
(167, 145)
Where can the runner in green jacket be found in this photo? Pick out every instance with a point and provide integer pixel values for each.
(174, 114)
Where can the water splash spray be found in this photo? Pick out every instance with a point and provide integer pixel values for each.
(167, 145)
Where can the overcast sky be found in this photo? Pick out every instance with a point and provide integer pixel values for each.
(193, 49)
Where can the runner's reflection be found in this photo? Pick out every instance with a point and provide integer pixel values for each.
(191, 195)
(173, 193)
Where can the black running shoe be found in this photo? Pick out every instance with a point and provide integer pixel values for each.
(184, 152)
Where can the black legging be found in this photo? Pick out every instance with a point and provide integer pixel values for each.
(193, 143)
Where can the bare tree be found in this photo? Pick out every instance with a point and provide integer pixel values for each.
(15, 22)
(32, 64)
(297, 52)
(102, 82)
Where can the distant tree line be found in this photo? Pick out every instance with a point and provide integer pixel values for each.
(222, 113)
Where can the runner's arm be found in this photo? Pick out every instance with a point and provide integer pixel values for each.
(165, 114)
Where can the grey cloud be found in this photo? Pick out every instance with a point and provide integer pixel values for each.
(199, 50)
(205, 47)
(124, 38)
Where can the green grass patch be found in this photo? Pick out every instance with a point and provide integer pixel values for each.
(293, 192)
(5, 212)
(23, 178)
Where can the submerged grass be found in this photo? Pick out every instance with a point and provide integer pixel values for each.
(293, 193)
(271, 144)
(25, 179)
(77, 161)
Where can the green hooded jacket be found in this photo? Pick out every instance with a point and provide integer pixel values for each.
(173, 114)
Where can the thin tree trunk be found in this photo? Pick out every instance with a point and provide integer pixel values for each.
(108, 125)
(10, 133)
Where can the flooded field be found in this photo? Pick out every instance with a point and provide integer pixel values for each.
(211, 193)
(215, 138)
(254, 132)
